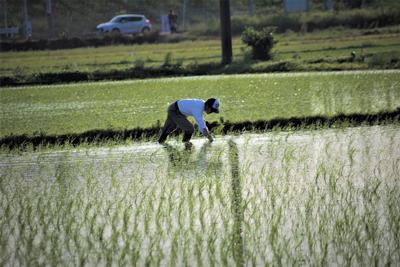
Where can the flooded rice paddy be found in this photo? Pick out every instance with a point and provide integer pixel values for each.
(318, 197)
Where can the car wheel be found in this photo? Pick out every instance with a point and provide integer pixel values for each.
(115, 32)
(146, 30)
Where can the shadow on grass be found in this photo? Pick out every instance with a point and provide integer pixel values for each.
(106, 135)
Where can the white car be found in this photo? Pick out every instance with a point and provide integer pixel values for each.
(126, 24)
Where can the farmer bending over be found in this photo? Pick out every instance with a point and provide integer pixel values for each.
(177, 118)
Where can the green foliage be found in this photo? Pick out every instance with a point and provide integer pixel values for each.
(358, 18)
(261, 42)
(318, 20)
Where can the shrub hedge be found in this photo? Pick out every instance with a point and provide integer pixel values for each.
(358, 18)
(67, 43)
(261, 42)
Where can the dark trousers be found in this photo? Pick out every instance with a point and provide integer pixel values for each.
(175, 119)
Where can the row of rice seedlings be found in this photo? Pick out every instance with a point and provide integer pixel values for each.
(314, 198)
(329, 209)
(83, 212)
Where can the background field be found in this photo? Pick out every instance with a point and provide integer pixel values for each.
(319, 50)
(77, 108)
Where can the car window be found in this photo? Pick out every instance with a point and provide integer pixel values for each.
(126, 19)
(116, 19)
(134, 19)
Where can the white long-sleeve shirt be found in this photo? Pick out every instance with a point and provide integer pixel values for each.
(194, 108)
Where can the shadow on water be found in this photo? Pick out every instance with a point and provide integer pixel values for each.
(182, 160)
(237, 206)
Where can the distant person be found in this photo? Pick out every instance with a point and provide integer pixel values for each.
(173, 21)
(177, 118)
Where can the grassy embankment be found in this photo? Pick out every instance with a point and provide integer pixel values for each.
(117, 106)
(325, 50)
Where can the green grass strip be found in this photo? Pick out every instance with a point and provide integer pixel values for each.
(294, 123)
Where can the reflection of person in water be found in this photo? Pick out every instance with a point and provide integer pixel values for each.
(181, 160)
(202, 157)
(176, 157)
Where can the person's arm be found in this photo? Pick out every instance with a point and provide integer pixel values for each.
(202, 126)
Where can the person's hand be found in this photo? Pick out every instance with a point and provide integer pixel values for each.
(207, 134)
